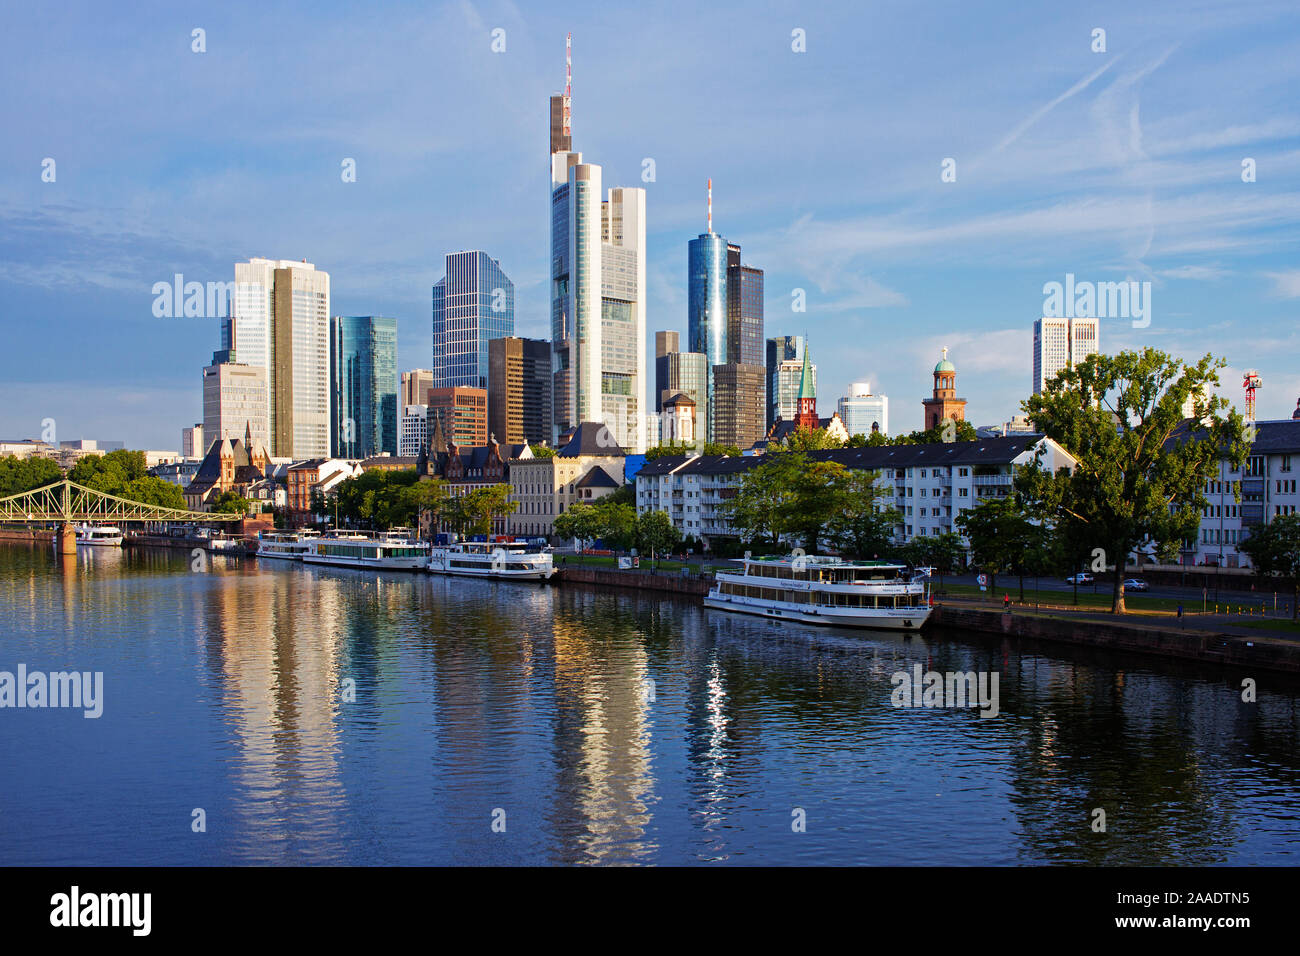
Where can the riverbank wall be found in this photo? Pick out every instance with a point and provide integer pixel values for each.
(1264, 652)
(690, 586)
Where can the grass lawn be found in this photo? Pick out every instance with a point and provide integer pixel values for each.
(1100, 600)
(1282, 626)
(601, 561)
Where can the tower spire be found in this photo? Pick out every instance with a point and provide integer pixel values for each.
(710, 206)
(568, 82)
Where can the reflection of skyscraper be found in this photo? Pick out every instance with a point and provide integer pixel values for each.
(598, 285)
(472, 304)
(363, 385)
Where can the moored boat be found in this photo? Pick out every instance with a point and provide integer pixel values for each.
(516, 560)
(385, 550)
(99, 535)
(285, 545)
(813, 589)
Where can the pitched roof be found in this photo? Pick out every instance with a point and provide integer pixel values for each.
(597, 477)
(591, 438)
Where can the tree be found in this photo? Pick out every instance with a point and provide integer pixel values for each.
(814, 495)
(429, 498)
(615, 522)
(379, 498)
(655, 532)
(811, 439)
(1142, 469)
(942, 552)
(1274, 550)
(230, 503)
(579, 522)
(482, 506)
(668, 450)
(23, 474)
(995, 530)
(717, 448)
(123, 473)
(542, 451)
(860, 525)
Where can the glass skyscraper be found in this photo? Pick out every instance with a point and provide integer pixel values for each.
(472, 304)
(363, 386)
(706, 319)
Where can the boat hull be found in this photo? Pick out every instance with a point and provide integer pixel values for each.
(883, 619)
(375, 564)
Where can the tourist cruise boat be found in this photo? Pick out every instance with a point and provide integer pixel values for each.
(285, 545)
(516, 560)
(99, 535)
(386, 550)
(824, 590)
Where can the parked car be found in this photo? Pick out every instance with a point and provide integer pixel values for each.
(1135, 584)
(1083, 577)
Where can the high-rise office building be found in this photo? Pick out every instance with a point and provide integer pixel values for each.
(472, 304)
(744, 312)
(598, 285)
(519, 390)
(665, 342)
(460, 413)
(706, 301)
(415, 387)
(785, 376)
(234, 403)
(864, 413)
(280, 322)
(1061, 343)
(686, 373)
(413, 430)
(363, 386)
(192, 442)
(738, 404)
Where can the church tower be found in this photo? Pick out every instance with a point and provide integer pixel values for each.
(944, 403)
(806, 410)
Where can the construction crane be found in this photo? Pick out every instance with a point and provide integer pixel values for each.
(1252, 381)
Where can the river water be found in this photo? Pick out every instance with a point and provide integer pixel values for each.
(280, 714)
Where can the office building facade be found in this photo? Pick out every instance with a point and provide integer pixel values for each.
(472, 304)
(413, 430)
(459, 414)
(1062, 343)
(279, 321)
(519, 390)
(235, 403)
(415, 386)
(665, 342)
(686, 373)
(864, 413)
(738, 404)
(363, 386)
(744, 312)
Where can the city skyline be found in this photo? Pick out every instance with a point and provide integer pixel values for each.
(1109, 166)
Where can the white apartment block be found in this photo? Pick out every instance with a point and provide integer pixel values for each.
(1061, 343)
(929, 485)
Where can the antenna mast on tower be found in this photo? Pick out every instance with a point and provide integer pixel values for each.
(1252, 381)
(568, 80)
(710, 207)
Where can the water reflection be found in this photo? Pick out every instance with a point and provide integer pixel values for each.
(324, 715)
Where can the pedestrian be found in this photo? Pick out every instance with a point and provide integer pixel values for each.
(1006, 602)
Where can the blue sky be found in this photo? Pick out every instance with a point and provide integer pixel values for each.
(825, 164)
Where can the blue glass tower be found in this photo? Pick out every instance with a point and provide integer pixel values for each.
(706, 321)
(363, 386)
(472, 304)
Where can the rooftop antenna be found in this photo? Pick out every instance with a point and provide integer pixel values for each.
(568, 80)
(710, 207)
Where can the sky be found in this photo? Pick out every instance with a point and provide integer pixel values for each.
(919, 171)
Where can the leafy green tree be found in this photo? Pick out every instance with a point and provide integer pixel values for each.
(861, 526)
(24, 474)
(429, 498)
(615, 523)
(230, 503)
(942, 552)
(542, 451)
(578, 522)
(717, 448)
(811, 439)
(1142, 473)
(995, 530)
(1274, 550)
(668, 450)
(480, 507)
(656, 533)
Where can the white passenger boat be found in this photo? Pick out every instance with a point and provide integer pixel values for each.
(285, 545)
(824, 590)
(99, 535)
(493, 559)
(385, 550)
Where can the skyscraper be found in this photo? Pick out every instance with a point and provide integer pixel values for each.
(785, 377)
(280, 322)
(519, 390)
(686, 373)
(234, 403)
(472, 304)
(1062, 343)
(415, 386)
(862, 412)
(363, 386)
(706, 302)
(738, 400)
(744, 311)
(598, 283)
(665, 342)
(460, 414)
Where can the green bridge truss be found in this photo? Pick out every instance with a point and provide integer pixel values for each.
(67, 501)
